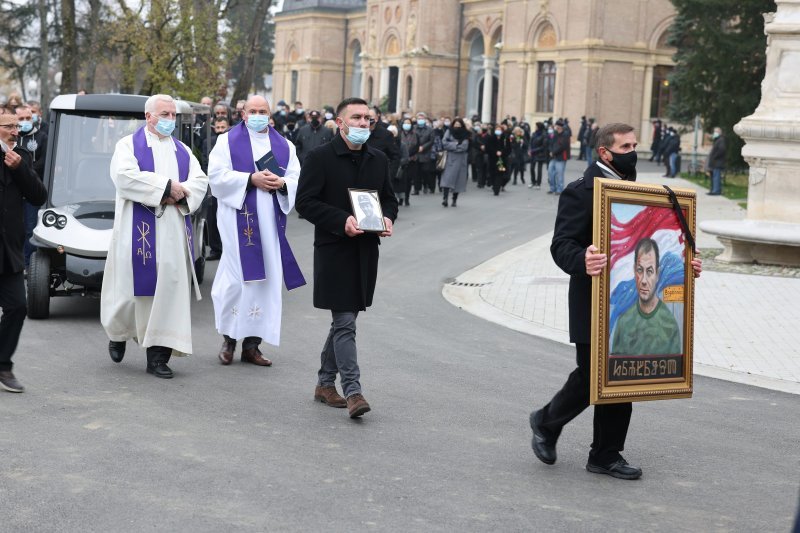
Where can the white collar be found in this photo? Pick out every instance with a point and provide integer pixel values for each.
(152, 139)
(608, 171)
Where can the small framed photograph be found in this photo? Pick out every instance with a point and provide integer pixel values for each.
(367, 210)
(643, 302)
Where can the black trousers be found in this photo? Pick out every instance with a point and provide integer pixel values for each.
(15, 307)
(214, 240)
(158, 354)
(536, 171)
(610, 420)
(247, 342)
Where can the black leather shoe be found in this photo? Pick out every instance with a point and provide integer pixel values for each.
(543, 447)
(116, 349)
(160, 370)
(619, 469)
(213, 256)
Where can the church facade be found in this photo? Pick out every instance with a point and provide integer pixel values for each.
(491, 58)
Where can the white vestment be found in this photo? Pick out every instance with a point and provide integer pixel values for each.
(163, 319)
(248, 308)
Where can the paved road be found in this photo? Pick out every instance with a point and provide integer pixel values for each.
(95, 446)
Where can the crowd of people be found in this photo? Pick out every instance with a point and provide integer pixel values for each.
(439, 154)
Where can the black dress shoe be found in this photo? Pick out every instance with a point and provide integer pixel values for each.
(116, 349)
(160, 370)
(543, 446)
(619, 469)
(213, 256)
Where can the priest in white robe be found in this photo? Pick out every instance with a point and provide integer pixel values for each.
(149, 272)
(252, 205)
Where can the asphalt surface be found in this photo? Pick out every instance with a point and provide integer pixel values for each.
(98, 446)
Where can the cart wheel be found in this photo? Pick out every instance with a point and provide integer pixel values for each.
(200, 269)
(39, 285)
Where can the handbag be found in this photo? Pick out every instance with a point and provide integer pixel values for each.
(441, 160)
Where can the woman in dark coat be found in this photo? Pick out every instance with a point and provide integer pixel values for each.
(539, 155)
(454, 177)
(409, 147)
(498, 148)
(519, 153)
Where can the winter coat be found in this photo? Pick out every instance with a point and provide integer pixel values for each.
(345, 268)
(455, 170)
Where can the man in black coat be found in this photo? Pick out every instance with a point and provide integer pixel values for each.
(345, 257)
(311, 135)
(33, 141)
(574, 253)
(18, 181)
(383, 139)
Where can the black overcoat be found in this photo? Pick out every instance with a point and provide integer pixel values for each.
(345, 268)
(572, 235)
(15, 185)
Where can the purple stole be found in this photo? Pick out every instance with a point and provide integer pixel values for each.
(143, 243)
(251, 254)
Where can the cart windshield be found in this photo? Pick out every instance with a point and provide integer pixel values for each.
(84, 144)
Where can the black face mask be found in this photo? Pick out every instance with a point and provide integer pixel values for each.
(290, 127)
(315, 123)
(625, 164)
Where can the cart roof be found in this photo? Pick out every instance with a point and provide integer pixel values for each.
(125, 103)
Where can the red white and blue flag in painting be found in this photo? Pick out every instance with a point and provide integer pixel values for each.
(629, 224)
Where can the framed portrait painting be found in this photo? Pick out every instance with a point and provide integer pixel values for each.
(643, 302)
(367, 210)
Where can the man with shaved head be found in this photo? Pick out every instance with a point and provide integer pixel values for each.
(253, 173)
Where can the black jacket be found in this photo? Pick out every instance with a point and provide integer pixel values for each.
(15, 185)
(573, 234)
(345, 268)
(382, 139)
(35, 144)
(309, 137)
(496, 144)
(716, 158)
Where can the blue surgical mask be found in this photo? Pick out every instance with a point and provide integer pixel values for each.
(257, 123)
(498, 132)
(357, 135)
(165, 126)
(328, 116)
(421, 122)
(35, 118)
(25, 126)
(406, 127)
(550, 131)
(283, 112)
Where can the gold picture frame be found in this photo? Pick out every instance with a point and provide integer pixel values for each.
(643, 302)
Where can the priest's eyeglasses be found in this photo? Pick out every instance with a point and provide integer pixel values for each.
(10, 126)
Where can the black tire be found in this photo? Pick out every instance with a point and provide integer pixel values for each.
(39, 285)
(200, 269)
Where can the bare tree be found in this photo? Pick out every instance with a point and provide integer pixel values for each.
(69, 55)
(44, 64)
(245, 82)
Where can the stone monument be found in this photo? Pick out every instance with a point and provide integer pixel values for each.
(770, 233)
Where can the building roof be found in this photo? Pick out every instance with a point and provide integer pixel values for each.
(335, 5)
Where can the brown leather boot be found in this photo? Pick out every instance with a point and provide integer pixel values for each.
(226, 351)
(253, 355)
(327, 394)
(357, 405)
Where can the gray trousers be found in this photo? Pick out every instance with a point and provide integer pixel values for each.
(339, 354)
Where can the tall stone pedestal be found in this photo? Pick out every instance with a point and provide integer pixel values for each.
(772, 149)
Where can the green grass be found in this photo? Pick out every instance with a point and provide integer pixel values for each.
(734, 185)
